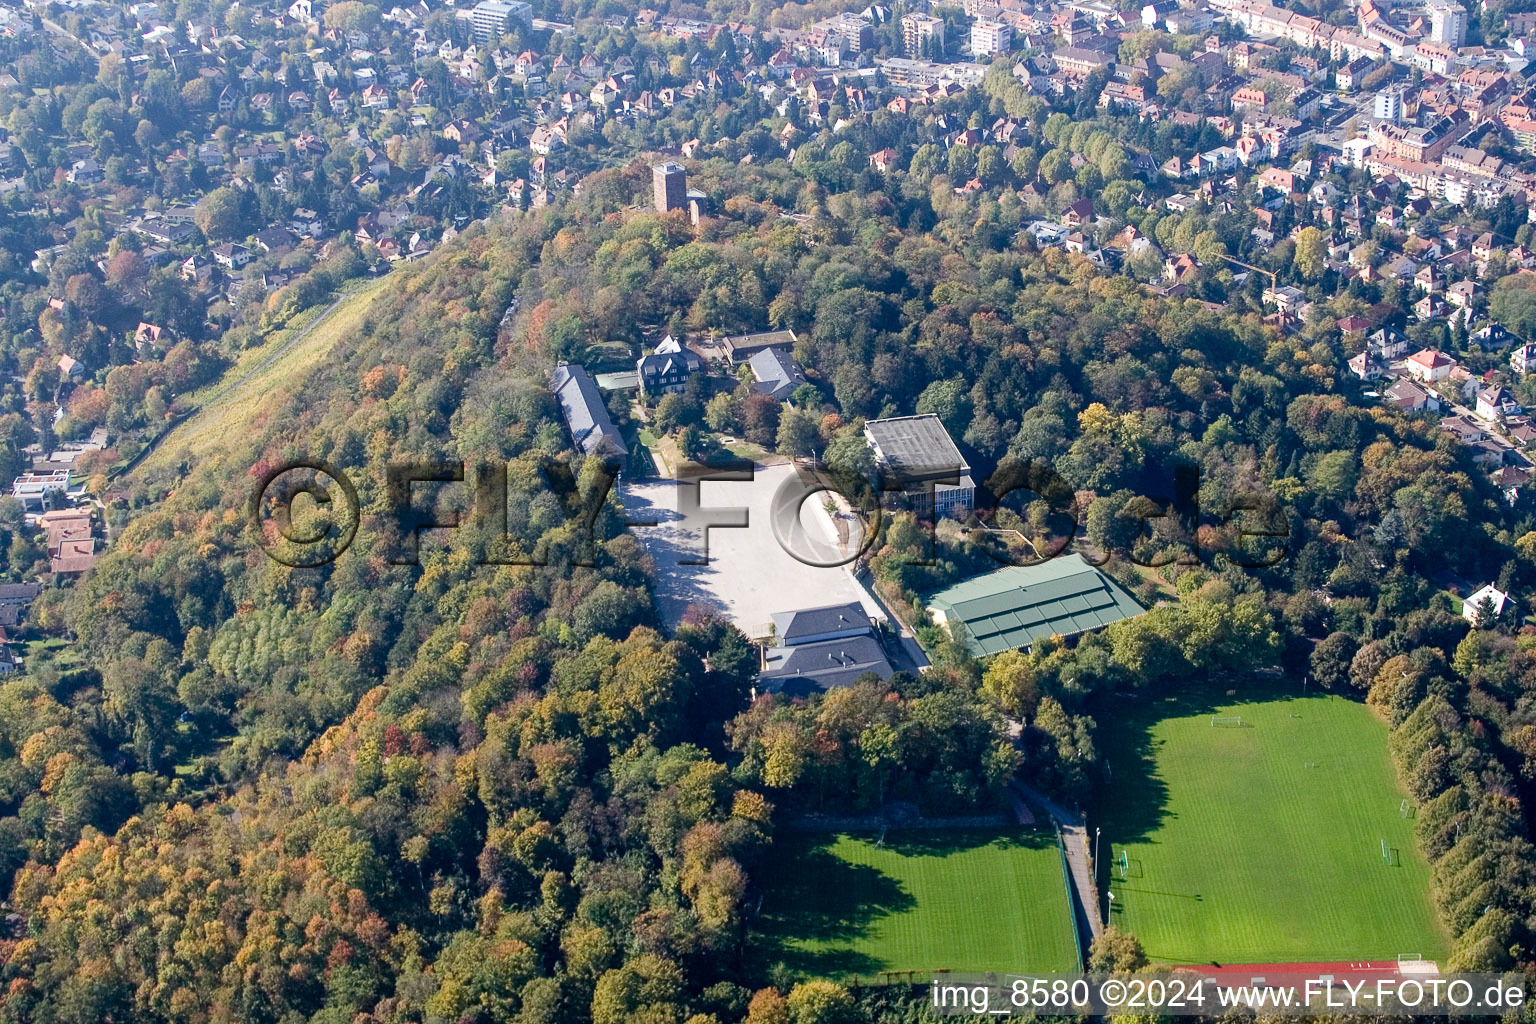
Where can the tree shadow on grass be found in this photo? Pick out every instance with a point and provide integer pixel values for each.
(1131, 804)
(818, 907)
(943, 842)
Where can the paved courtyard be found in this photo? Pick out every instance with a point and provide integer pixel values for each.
(749, 575)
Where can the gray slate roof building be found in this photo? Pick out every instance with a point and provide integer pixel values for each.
(19, 593)
(801, 669)
(585, 413)
(777, 373)
(741, 347)
(830, 645)
(827, 622)
(667, 371)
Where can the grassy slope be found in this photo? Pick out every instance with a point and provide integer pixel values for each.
(1239, 852)
(839, 906)
(233, 403)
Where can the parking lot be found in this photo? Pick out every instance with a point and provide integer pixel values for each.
(750, 573)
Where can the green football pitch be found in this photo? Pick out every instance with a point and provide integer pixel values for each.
(1260, 842)
(842, 906)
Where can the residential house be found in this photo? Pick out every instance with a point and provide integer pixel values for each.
(149, 334)
(1429, 307)
(1429, 365)
(1523, 359)
(1410, 397)
(1494, 402)
(231, 255)
(1284, 298)
(197, 269)
(18, 595)
(307, 222)
(1079, 213)
(32, 489)
(667, 369)
(1363, 366)
(1483, 601)
(73, 557)
(776, 372)
(1386, 343)
(1180, 269)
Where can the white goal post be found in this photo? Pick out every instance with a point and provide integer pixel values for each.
(1230, 721)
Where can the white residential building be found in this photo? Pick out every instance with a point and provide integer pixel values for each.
(990, 37)
(32, 489)
(920, 33)
(1492, 595)
(488, 19)
(1448, 24)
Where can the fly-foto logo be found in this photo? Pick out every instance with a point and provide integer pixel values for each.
(307, 512)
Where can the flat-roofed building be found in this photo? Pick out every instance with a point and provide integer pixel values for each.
(990, 37)
(32, 489)
(489, 19)
(1448, 24)
(917, 457)
(669, 187)
(922, 35)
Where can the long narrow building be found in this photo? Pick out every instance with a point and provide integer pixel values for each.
(581, 403)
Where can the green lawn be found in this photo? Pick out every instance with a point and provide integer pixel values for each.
(841, 906)
(229, 406)
(1261, 843)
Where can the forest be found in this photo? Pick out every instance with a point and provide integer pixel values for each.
(464, 792)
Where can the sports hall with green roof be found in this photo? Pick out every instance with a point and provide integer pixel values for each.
(1016, 606)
